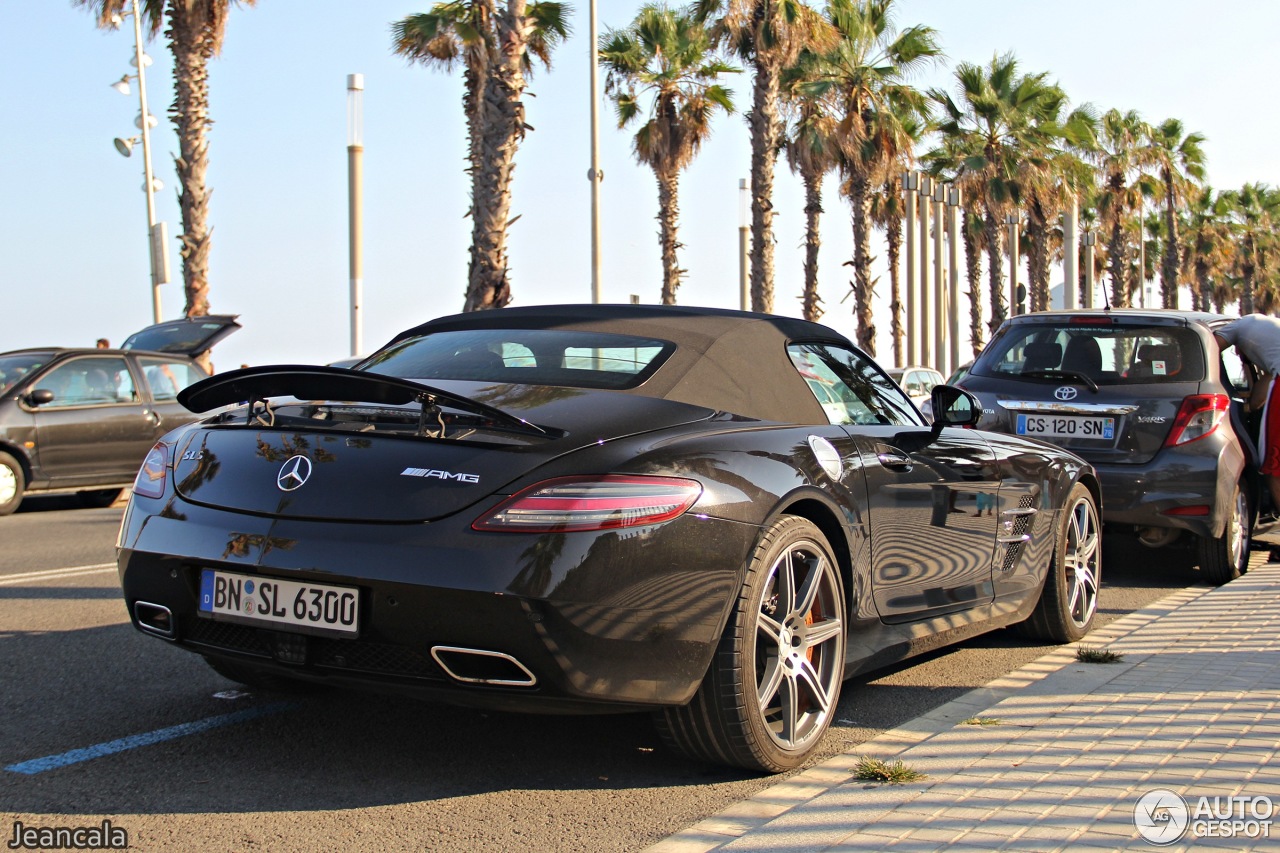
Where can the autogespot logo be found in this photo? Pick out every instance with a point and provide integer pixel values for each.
(1161, 816)
(294, 473)
(1066, 392)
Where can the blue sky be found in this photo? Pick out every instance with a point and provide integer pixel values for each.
(73, 264)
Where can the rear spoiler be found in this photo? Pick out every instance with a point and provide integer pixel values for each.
(316, 382)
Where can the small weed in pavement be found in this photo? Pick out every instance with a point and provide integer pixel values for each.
(981, 721)
(1087, 654)
(877, 770)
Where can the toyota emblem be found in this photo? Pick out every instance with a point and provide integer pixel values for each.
(294, 473)
(1066, 392)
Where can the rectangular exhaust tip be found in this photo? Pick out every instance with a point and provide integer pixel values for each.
(154, 619)
(479, 666)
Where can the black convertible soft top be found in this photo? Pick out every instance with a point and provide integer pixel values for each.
(733, 361)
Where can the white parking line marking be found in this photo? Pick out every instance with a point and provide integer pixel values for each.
(56, 574)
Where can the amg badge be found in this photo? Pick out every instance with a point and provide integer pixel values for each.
(440, 475)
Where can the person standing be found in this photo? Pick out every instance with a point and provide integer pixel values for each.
(1256, 338)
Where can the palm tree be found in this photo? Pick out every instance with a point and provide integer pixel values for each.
(864, 74)
(1000, 116)
(1207, 244)
(1181, 160)
(768, 35)
(1256, 210)
(666, 56)
(1122, 156)
(498, 44)
(196, 29)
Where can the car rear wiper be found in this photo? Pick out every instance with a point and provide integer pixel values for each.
(1056, 373)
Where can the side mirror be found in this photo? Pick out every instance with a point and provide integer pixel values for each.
(954, 406)
(39, 397)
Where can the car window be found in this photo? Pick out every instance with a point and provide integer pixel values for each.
(15, 368)
(166, 377)
(89, 381)
(528, 356)
(1108, 353)
(849, 386)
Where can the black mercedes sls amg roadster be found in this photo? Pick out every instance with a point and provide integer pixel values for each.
(713, 515)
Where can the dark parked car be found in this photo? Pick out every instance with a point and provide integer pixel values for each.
(1146, 398)
(568, 508)
(81, 420)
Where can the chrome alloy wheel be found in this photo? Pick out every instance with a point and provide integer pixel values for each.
(8, 484)
(799, 646)
(1081, 559)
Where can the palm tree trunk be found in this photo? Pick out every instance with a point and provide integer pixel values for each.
(893, 236)
(192, 43)
(503, 130)
(995, 270)
(1038, 243)
(812, 242)
(973, 271)
(1116, 263)
(668, 219)
(1169, 268)
(765, 132)
(858, 201)
(1203, 289)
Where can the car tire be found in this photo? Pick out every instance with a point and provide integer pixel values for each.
(12, 484)
(1069, 599)
(1226, 557)
(771, 690)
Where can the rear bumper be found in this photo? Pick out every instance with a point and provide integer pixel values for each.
(618, 618)
(1199, 474)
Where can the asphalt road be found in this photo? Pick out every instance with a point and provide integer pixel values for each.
(210, 766)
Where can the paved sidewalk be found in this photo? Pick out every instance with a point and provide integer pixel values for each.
(1069, 750)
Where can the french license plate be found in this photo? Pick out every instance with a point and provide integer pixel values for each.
(1066, 426)
(310, 608)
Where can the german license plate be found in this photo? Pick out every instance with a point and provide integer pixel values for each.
(310, 608)
(1066, 426)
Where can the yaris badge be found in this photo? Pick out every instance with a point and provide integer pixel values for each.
(294, 473)
(1066, 392)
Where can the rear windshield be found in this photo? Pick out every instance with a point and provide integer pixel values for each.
(15, 368)
(524, 356)
(1115, 354)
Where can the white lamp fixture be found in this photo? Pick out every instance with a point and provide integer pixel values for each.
(125, 146)
(122, 85)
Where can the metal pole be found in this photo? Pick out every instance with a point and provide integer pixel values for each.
(148, 175)
(1089, 239)
(910, 185)
(1070, 250)
(595, 175)
(1015, 304)
(926, 314)
(953, 258)
(744, 245)
(355, 204)
(939, 283)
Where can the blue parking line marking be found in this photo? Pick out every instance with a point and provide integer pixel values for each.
(75, 756)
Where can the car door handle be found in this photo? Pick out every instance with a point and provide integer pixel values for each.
(153, 417)
(897, 461)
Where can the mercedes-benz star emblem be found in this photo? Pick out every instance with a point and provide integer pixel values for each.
(1066, 392)
(294, 473)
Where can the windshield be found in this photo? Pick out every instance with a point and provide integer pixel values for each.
(15, 368)
(1108, 354)
(524, 356)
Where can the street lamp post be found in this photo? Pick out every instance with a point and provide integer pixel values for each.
(1070, 258)
(355, 205)
(157, 245)
(953, 257)
(910, 186)
(1016, 305)
(926, 316)
(744, 245)
(1090, 239)
(939, 281)
(595, 175)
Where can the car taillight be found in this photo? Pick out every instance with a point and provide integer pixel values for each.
(150, 480)
(1198, 416)
(592, 503)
